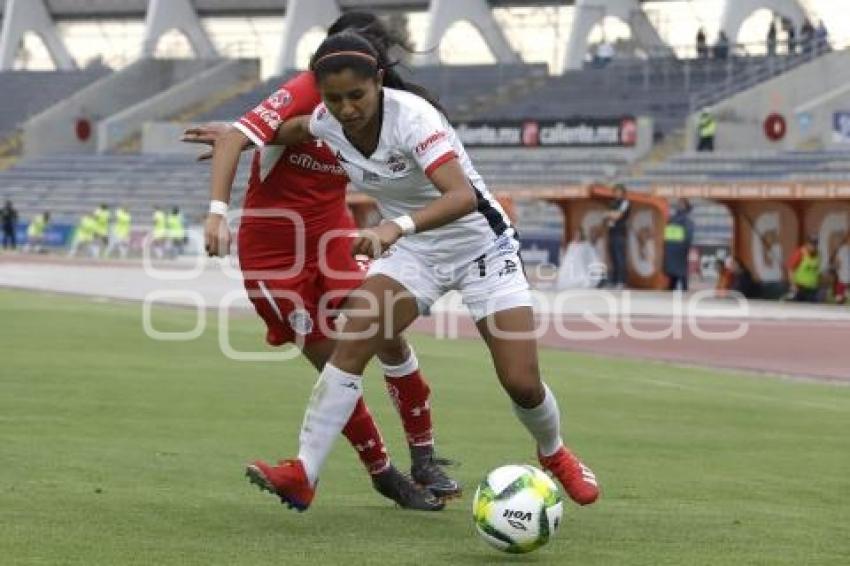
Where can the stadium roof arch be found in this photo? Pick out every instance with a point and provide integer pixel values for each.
(21, 16)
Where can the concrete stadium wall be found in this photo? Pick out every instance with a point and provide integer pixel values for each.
(740, 119)
(193, 91)
(164, 137)
(56, 129)
(813, 121)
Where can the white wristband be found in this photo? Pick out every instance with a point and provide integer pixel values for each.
(406, 224)
(218, 207)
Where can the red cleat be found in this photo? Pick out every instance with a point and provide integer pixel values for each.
(287, 480)
(578, 480)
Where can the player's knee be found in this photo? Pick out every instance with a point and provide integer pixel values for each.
(394, 352)
(526, 393)
(353, 355)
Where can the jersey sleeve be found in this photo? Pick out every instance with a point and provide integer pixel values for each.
(428, 139)
(319, 121)
(296, 97)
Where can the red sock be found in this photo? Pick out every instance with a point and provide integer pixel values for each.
(410, 394)
(362, 432)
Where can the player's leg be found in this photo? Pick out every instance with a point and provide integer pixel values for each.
(365, 326)
(405, 381)
(498, 297)
(509, 334)
(411, 397)
(381, 307)
(360, 428)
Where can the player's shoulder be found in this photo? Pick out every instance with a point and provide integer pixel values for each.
(401, 100)
(302, 83)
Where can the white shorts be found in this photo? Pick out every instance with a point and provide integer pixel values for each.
(490, 283)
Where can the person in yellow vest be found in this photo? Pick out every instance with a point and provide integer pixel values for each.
(85, 237)
(176, 232)
(120, 233)
(35, 232)
(804, 272)
(678, 237)
(101, 216)
(159, 237)
(706, 130)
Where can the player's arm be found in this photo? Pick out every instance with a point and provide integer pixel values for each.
(457, 199)
(293, 131)
(225, 160)
(207, 134)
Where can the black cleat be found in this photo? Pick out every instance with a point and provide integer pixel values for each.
(392, 484)
(426, 470)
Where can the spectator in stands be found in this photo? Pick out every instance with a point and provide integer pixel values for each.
(616, 219)
(678, 237)
(120, 233)
(35, 232)
(702, 44)
(788, 26)
(721, 48)
(771, 39)
(807, 37)
(821, 38)
(804, 272)
(9, 217)
(706, 130)
(159, 237)
(176, 232)
(604, 54)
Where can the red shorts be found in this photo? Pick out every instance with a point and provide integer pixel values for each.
(300, 308)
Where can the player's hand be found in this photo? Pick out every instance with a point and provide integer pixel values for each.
(216, 236)
(373, 242)
(205, 134)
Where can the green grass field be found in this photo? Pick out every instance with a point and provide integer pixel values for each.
(116, 449)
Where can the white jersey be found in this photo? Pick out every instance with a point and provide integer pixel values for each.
(415, 139)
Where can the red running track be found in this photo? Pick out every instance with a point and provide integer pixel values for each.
(797, 348)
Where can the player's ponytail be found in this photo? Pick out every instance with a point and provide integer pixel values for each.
(365, 51)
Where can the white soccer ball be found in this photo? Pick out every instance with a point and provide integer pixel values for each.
(517, 509)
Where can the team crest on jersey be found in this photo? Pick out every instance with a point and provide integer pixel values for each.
(280, 99)
(301, 322)
(322, 113)
(397, 163)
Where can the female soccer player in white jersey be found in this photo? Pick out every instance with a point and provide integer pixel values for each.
(445, 232)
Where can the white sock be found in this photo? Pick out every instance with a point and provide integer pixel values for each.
(404, 369)
(543, 422)
(331, 405)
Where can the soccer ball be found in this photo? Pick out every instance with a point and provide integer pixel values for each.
(517, 508)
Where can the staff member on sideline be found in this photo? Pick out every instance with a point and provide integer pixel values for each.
(678, 236)
(707, 129)
(804, 272)
(616, 219)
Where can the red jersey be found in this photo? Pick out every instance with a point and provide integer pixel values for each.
(305, 180)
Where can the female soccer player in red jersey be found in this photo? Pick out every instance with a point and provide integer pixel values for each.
(294, 244)
(444, 232)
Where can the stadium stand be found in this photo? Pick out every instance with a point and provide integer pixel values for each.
(825, 165)
(662, 88)
(237, 106)
(26, 93)
(460, 88)
(70, 185)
